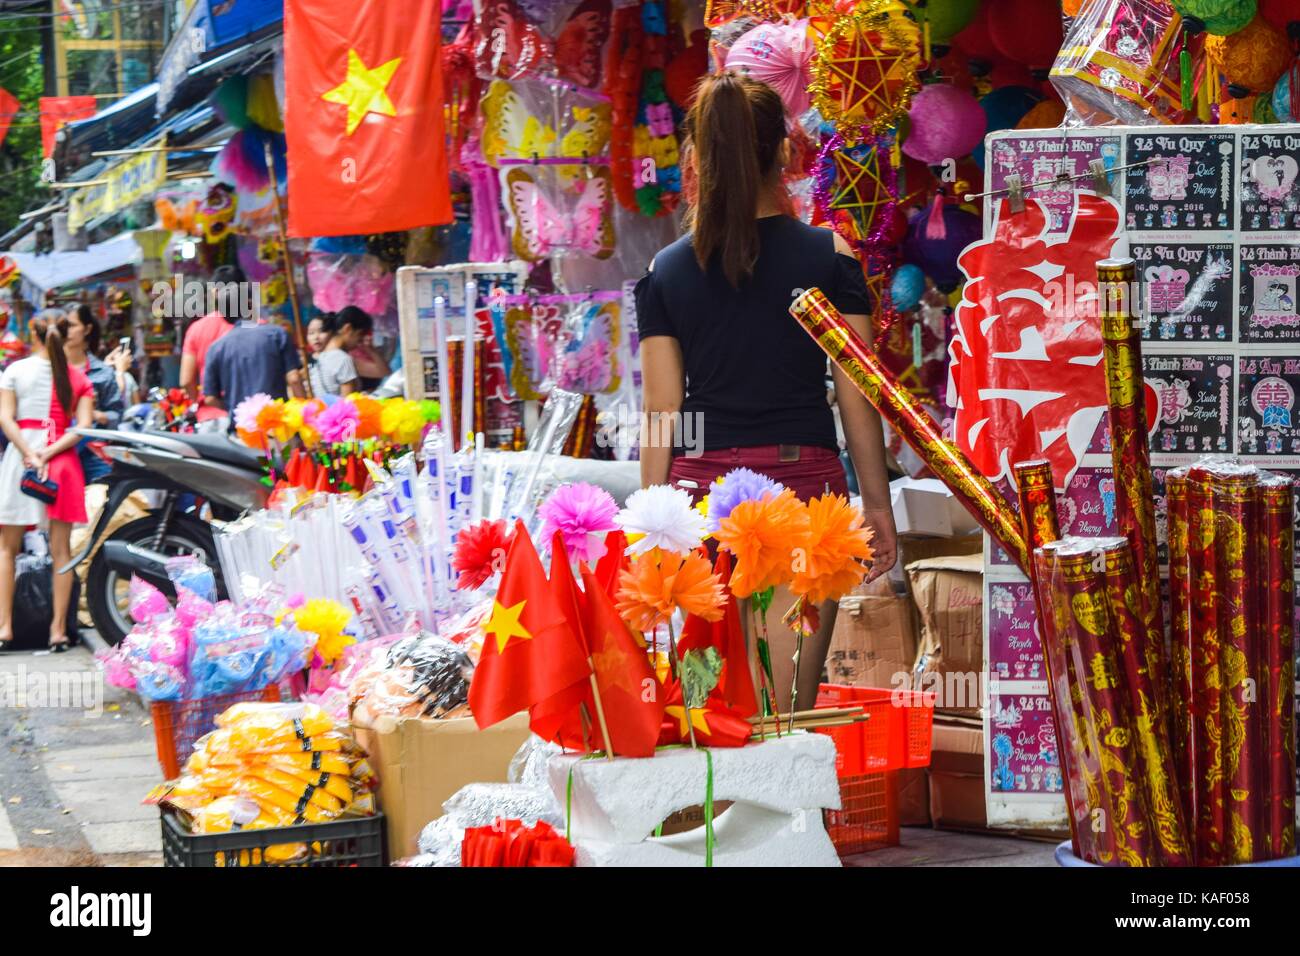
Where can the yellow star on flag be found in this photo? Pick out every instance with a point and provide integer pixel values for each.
(698, 719)
(614, 665)
(505, 624)
(364, 91)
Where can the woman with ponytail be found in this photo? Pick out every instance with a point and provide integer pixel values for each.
(730, 378)
(41, 397)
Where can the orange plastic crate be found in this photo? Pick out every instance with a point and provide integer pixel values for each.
(177, 724)
(896, 736)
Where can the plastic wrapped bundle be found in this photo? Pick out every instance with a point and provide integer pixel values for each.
(1278, 660)
(1121, 60)
(420, 676)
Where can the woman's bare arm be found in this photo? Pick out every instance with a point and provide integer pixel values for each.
(663, 386)
(866, 441)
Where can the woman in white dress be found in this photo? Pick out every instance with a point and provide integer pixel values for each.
(41, 396)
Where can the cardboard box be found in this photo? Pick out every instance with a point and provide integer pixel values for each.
(957, 775)
(926, 506)
(422, 762)
(914, 797)
(913, 548)
(874, 639)
(949, 597)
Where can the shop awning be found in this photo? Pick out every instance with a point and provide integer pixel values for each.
(40, 273)
(231, 31)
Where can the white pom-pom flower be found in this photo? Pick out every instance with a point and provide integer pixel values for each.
(663, 517)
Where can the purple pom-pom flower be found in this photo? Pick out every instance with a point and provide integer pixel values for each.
(737, 485)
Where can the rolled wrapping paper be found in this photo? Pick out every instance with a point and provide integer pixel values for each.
(1164, 806)
(1039, 525)
(1234, 489)
(908, 418)
(1180, 659)
(1104, 740)
(1204, 649)
(1277, 496)
(1135, 506)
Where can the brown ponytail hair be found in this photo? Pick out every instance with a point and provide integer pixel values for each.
(51, 328)
(735, 129)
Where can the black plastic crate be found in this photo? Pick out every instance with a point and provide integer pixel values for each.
(352, 842)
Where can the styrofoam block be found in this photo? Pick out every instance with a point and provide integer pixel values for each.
(744, 835)
(623, 800)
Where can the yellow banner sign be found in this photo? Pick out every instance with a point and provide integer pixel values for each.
(117, 188)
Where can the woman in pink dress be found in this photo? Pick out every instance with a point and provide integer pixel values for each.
(41, 396)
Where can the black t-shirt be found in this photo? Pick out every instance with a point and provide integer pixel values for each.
(752, 373)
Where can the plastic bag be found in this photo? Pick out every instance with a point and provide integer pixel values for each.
(1121, 60)
(188, 573)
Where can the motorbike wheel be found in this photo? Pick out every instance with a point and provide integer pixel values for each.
(106, 588)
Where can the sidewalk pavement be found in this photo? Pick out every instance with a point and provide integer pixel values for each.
(76, 758)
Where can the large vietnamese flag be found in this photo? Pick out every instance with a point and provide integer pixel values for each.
(363, 116)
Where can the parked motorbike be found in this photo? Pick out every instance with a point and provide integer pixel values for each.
(184, 472)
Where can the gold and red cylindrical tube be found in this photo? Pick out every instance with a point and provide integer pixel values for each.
(1277, 638)
(909, 418)
(455, 358)
(1234, 489)
(1111, 759)
(1040, 526)
(1080, 765)
(1165, 817)
(1180, 659)
(1135, 505)
(1203, 629)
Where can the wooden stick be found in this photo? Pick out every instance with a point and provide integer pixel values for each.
(288, 273)
(600, 712)
(686, 704)
(819, 712)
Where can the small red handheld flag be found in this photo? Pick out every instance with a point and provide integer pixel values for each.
(530, 650)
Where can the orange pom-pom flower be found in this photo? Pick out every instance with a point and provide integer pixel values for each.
(659, 582)
(764, 534)
(833, 561)
(371, 411)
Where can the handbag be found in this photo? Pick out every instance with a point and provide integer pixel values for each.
(46, 491)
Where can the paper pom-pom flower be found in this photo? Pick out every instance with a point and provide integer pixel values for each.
(481, 550)
(737, 485)
(664, 518)
(326, 619)
(369, 415)
(764, 534)
(271, 422)
(246, 412)
(337, 423)
(430, 410)
(837, 547)
(582, 513)
(657, 584)
(403, 421)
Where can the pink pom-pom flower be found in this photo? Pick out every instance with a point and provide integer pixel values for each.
(583, 514)
(337, 423)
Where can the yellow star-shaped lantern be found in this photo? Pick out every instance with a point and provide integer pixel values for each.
(364, 91)
(505, 624)
(698, 718)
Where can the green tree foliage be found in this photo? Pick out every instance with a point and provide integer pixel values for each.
(20, 153)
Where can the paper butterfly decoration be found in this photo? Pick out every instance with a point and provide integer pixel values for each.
(510, 47)
(511, 131)
(541, 226)
(577, 352)
(865, 65)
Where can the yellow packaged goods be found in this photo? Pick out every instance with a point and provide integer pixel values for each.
(268, 766)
